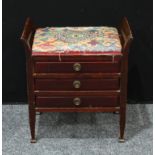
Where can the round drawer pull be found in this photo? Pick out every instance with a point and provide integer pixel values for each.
(76, 84)
(77, 67)
(77, 101)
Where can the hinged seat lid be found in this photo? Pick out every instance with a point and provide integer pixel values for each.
(76, 40)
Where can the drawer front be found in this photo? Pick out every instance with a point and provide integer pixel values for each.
(75, 67)
(77, 84)
(76, 101)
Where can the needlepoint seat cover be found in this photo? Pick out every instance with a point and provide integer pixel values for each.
(76, 40)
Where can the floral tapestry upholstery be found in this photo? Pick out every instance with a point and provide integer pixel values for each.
(52, 40)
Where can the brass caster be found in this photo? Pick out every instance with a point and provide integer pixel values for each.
(38, 113)
(121, 140)
(116, 112)
(33, 141)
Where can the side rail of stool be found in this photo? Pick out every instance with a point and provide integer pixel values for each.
(125, 34)
(28, 35)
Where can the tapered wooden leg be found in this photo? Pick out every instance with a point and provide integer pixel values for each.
(122, 124)
(32, 118)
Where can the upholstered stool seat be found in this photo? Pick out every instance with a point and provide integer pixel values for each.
(76, 40)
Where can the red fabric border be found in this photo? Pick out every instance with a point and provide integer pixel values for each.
(76, 53)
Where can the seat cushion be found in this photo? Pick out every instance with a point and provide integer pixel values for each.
(76, 40)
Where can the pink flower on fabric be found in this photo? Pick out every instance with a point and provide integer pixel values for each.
(46, 45)
(93, 42)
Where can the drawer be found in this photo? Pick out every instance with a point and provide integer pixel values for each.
(76, 101)
(77, 84)
(74, 67)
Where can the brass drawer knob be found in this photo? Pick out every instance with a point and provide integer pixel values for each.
(77, 101)
(77, 67)
(76, 84)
